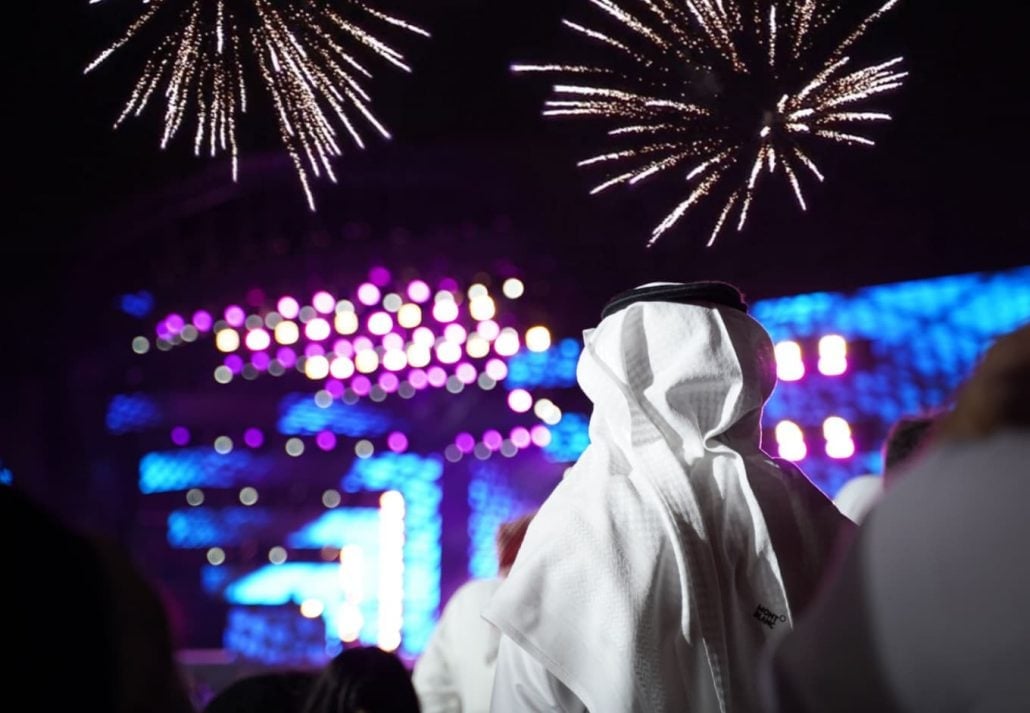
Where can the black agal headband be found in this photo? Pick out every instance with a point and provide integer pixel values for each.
(719, 293)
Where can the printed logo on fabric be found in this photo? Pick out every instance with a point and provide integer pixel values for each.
(768, 617)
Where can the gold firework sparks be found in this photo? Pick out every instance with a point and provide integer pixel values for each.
(298, 50)
(723, 90)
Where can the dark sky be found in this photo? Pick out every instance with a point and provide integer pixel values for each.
(943, 192)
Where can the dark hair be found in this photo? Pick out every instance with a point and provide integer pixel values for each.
(720, 293)
(905, 438)
(268, 692)
(363, 680)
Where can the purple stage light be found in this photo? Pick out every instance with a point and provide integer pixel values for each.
(326, 440)
(363, 343)
(260, 360)
(313, 350)
(368, 294)
(418, 291)
(180, 436)
(449, 284)
(393, 341)
(379, 276)
(343, 348)
(334, 387)
(418, 378)
(520, 437)
(465, 372)
(389, 382)
(255, 297)
(286, 356)
(540, 435)
(175, 323)
(397, 442)
(288, 307)
(437, 376)
(496, 369)
(253, 437)
(323, 302)
(202, 320)
(234, 362)
(465, 442)
(492, 439)
(361, 385)
(235, 315)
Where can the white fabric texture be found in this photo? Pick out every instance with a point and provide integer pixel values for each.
(641, 579)
(526, 685)
(455, 672)
(927, 612)
(858, 496)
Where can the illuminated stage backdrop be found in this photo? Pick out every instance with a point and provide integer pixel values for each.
(318, 517)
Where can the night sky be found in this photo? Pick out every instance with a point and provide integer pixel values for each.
(945, 190)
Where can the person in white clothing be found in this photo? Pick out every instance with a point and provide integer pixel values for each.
(455, 672)
(927, 610)
(675, 547)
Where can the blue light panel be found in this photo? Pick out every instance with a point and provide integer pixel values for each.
(417, 479)
(275, 636)
(492, 501)
(554, 368)
(301, 416)
(225, 527)
(132, 413)
(569, 438)
(200, 467)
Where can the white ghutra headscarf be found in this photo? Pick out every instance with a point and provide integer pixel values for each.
(648, 580)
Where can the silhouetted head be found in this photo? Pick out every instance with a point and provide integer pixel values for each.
(268, 692)
(363, 680)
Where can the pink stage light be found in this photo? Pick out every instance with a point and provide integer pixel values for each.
(235, 315)
(455, 333)
(361, 385)
(465, 442)
(393, 341)
(368, 294)
(540, 435)
(323, 302)
(162, 330)
(397, 442)
(234, 362)
(448, 284)
(465, 372)
(334, 387)
(379, 276)
(343, 348)
(520, 437)
(317, 329)
(257, 340)
(488, 329)
(418, 291)
(202, 320)
(288, 307)
(363, 343)
(496, 369)
(437, 376)
(326, 440)
(287, 357)
(789, 365)
(418, 378)
(253, 437)
(260, 360)
(388, 382)
(313, 350)
(180, 436)
(492, 439)
(175, 323)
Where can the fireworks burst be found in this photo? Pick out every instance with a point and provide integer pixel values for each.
(723, 90)
(313, 80)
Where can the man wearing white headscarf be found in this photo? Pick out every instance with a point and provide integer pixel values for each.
(674, 548)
